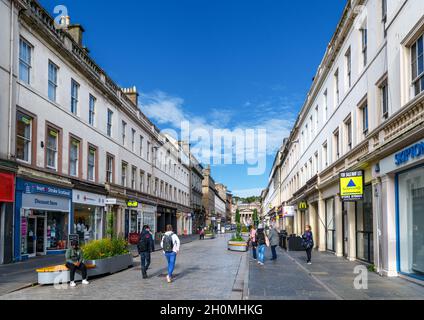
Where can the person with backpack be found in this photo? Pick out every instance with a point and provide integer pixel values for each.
(171, 246)
(308, 243)
(145, 246)
(263, 242)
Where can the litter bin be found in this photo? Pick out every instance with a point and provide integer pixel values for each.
(295, 243)
(283, 240)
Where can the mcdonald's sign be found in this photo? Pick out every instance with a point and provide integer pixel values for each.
(303, 205)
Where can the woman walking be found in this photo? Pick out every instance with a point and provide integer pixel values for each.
(171, 246)
(263, 242)
(253, 243)
(308, 243)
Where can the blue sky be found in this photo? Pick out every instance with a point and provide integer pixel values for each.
(225, 64)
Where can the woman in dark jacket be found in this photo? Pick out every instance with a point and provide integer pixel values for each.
(308, 243)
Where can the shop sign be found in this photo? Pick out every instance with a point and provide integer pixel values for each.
(132, 204)
(73, 237)
(352, 185)
(111, 202)
(7, 187)
(43, 202)
(415, 151)
(303, 205)
(88, 198)
(36, 188)
(289, 211)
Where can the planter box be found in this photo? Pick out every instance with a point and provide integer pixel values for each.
(112, 265)
(209, 236)
(102, 267)
(239, 246)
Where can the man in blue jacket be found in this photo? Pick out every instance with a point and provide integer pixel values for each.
(145, 246)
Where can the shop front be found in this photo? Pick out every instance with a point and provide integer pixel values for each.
(7, 198)
(89, 215)
(184, 223)
(43, 219)
(166, 216)
(138, 215)
(406, 167)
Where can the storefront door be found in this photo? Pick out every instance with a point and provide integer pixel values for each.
(40, 235)
(31, 236)
(345, 232)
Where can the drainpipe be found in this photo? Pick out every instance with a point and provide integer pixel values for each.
(12, 43)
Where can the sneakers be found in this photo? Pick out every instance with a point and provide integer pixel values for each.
(85, 282)
(309, 263)
(168, 279)
(73, 284)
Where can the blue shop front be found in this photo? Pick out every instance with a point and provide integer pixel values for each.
(43, 219)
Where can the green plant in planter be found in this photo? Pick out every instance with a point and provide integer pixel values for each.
(244, 229)
(105, 248)
(109, 223)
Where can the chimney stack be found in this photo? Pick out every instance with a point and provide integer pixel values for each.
(76, 31)
(132, 94)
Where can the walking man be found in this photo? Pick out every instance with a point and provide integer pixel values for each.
(274, 239)
(171, 246)
(308, 243)
(145, 246)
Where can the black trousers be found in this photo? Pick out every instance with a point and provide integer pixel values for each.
(309, 254)
(73, 268)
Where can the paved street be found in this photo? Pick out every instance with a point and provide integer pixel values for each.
(328, 278)
(205, 270)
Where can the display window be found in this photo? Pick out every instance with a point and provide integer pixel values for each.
(88, 222)
(410, 186)
(43, 231)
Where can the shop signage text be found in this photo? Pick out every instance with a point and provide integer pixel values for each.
(132, 204)
(303, 205)
(42, 202)
(88, 198)
(288, 211)
(413, 152)
(34, 188)
(352, 185)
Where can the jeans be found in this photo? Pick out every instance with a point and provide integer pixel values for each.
(145, 261)
(274, 252)
(171, 257)
(261, 253)
(254, 251)
(73, 268)
(309, 254)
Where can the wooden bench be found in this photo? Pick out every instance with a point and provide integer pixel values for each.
(58, 274)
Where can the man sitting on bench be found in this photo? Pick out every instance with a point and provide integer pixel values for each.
(74, 262)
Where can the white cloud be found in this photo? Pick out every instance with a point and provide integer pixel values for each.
(168, 110)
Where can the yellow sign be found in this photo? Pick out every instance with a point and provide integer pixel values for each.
(303, 205)
(352, 185)
(132, 204)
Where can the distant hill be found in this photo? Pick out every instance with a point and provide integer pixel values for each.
(247, 200)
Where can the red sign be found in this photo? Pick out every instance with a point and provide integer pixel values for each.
(133, 238)
(7, 187)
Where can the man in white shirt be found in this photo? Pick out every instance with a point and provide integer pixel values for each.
(171, 246)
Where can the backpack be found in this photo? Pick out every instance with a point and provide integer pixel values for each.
(143, 244)
(168, 243)
(260, 238)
